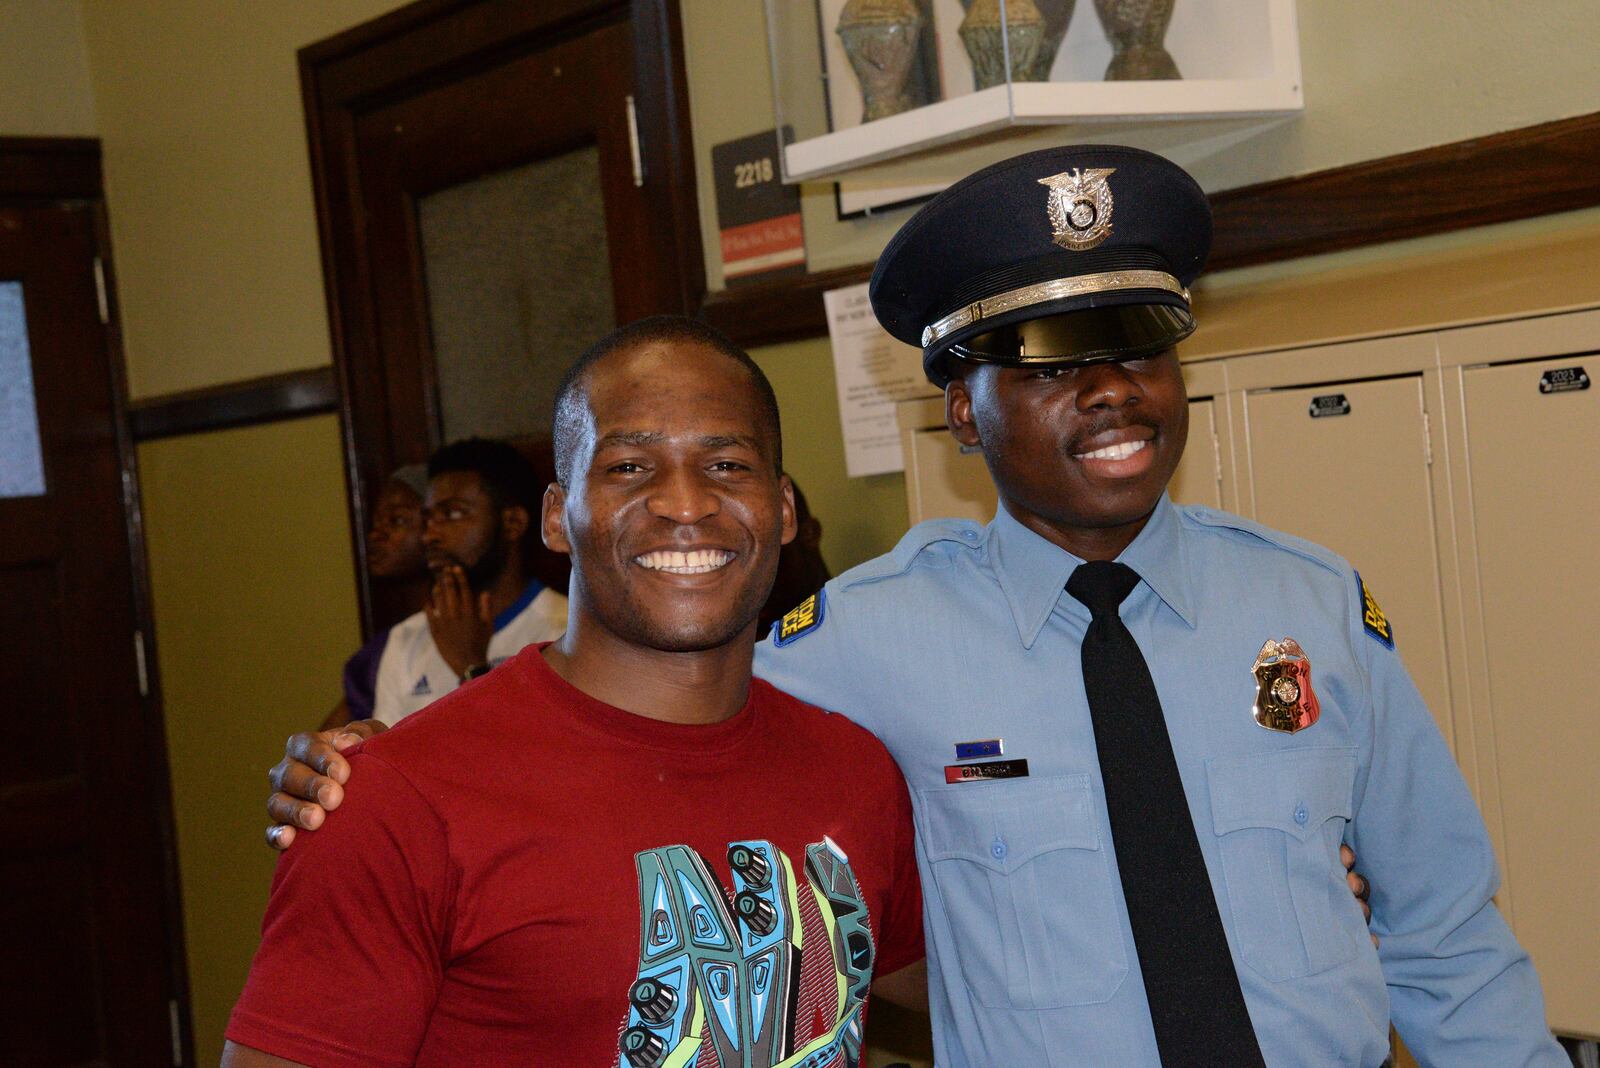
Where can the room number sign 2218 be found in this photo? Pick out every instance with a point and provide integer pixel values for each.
(748, 174)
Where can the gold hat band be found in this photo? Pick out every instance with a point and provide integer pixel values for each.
(1055, 289)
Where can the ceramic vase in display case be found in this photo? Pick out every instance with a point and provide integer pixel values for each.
(1136, 29)
(987, 38)
(881, 38)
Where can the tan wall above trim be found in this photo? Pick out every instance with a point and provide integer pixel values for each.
(208, 184)
(1495, 272)
(44, 70)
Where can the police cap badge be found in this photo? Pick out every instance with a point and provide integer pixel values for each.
(1069, 255)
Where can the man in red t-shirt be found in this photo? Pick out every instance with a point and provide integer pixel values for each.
(616, 848)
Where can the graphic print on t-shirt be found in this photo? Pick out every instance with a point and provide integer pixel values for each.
(779, 980)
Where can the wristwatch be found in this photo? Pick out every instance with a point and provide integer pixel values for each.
(475, 671)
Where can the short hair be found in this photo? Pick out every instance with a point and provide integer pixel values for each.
(508, 478)
(567, 419)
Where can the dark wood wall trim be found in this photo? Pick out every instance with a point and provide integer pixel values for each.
(785, 310)
(257, 400)
(1536, 170)
(52, 168)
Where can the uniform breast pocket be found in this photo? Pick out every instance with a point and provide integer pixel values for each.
(1280, 818)
(1021, 872)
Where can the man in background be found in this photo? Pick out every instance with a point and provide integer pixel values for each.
(483, 606)
(394, 555)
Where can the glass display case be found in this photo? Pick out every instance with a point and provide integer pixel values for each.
(859, 81)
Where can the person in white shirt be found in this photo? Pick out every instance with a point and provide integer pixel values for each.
(484, 606)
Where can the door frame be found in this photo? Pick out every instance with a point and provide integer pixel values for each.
(41, 170)
(421, 46)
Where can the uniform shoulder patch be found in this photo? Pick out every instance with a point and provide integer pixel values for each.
(800, 620)
(1372, 618)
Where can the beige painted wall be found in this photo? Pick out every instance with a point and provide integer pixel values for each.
(209, 186)
(44, 70)
(250, 561)
(861, 517)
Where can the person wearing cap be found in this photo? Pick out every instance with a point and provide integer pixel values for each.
(1137, 735)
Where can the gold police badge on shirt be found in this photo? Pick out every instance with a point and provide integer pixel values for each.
(1284, 698)
(1080, 207)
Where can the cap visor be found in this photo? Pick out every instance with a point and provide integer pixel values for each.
(1124, 331)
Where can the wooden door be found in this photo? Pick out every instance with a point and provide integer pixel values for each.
(464, 97)
(85, 930)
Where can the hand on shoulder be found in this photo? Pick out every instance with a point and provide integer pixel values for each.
(308, 782)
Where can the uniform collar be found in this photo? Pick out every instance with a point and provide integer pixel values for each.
(514, 609)
(1033, 571)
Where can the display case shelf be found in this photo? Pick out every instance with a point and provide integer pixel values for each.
(1238, 58)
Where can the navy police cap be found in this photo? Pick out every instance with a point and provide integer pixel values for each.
(1067, 255)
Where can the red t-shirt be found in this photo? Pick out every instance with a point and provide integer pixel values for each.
(500, 880)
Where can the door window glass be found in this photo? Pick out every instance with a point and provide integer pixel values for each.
(21, 459)
(519, 283)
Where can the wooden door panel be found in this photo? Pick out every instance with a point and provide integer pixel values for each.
(53, 1001)
(84, 941)
(33, 675)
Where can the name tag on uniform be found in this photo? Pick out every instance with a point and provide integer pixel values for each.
(991, 769)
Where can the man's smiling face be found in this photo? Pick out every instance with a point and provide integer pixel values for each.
(674, 509)
(1080, 454)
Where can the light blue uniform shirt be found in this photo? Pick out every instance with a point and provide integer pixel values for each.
(965, 633)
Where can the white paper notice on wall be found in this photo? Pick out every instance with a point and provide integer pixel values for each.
(874, 372)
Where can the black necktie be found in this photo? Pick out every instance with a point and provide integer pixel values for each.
(1195, 1002)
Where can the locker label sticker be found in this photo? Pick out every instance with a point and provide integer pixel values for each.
(1563, 380)
(1329, 404)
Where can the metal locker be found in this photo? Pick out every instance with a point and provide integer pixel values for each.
(1532, 433)
(944, 482)
(1346, 466)
(1198, 479)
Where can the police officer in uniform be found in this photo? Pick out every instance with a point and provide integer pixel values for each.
(1137, 733)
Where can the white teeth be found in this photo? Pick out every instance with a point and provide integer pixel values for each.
(692, 563)
(1114, 452)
